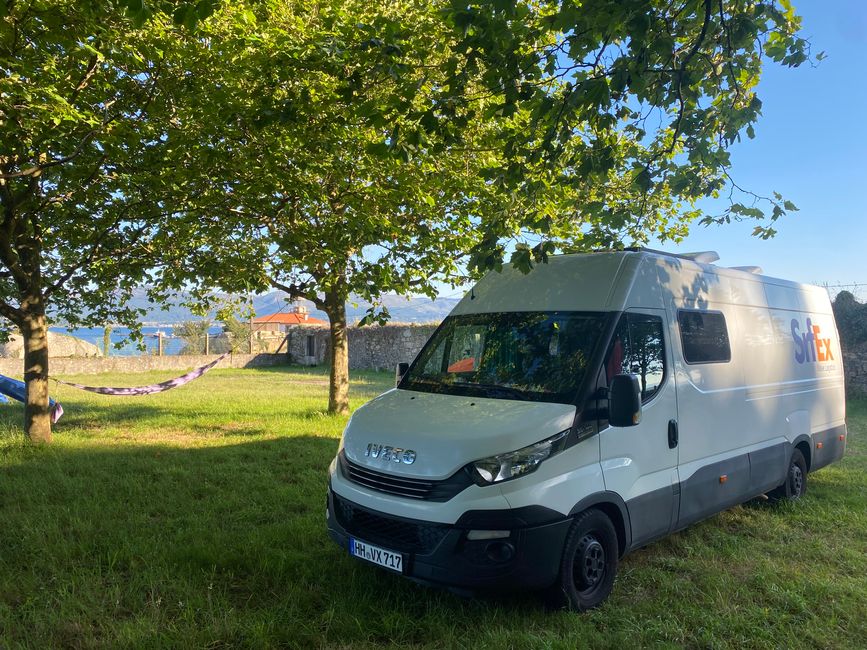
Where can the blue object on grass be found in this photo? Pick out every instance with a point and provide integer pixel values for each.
(17, 390)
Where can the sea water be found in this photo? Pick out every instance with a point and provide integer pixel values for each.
(120, 336)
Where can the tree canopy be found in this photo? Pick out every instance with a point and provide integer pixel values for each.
(289, 145)
(352, 148)
(639, 100)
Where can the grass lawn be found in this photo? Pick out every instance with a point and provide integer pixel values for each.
(195, 518)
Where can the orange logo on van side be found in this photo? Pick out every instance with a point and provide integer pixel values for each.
(810, 346)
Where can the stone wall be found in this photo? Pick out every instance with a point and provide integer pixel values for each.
(374, 347)
(382, 347)
(855, 366)
(297, 346)
(92, 366)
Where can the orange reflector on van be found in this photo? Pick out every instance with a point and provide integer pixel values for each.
(723, 478)
(842, 437)
(819, 445)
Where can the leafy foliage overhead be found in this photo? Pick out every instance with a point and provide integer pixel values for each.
(638, 100)
(619, 114)
(309, 157)
(81, 147)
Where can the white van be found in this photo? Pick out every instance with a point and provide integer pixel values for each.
(558, 419)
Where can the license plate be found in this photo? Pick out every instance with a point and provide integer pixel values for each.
(375, 554)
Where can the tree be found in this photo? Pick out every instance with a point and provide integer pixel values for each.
(352, 149)
(851, 318)
(194, 334)
(237, 333)
(308, 185)
(639, 100)
(80, 172)
(106, 340)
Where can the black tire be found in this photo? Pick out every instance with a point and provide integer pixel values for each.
(795, 485)
(589, 564)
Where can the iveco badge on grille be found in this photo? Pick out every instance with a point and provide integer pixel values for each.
(388, 453)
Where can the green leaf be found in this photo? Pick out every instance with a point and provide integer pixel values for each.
(643, 180)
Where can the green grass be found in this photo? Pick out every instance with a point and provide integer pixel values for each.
(195, 518)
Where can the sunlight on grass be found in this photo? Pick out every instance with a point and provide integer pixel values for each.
(195, 518)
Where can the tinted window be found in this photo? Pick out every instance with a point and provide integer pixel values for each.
(512, 355)
(704, 336)
(638, 349)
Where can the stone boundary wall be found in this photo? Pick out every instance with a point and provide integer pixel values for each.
(92, 366)
(382, 347)
(373, 347)
(855, 368)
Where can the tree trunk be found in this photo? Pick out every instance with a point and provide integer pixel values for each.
(338, 385)
(106, 340)
(37, 414)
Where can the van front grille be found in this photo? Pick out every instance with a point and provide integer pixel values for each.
(391, 532)
(410, 488)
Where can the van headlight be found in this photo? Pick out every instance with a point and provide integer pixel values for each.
(505, 467)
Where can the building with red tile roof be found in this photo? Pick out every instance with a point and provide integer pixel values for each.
(281, 321)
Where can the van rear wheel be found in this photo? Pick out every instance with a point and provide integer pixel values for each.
(795, 485)
(589, 563)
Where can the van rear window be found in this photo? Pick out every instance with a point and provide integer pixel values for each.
(704, 337)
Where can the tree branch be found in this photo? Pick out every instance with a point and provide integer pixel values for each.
(39, 168)
(11, 313)
(299, 290)
(682, 69)
(85, 79)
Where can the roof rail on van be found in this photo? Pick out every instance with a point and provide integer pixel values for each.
(702, 257)
(748, 269)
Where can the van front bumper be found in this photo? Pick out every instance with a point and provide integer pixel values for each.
(434, 553)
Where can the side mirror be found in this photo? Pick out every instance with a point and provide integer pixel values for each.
(399, 372)
(624, 401)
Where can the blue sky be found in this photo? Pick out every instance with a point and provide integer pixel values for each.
(811, 146)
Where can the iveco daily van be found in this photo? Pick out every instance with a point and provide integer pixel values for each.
(558, 419)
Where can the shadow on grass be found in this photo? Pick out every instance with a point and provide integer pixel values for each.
(108, 412)
(160, 544)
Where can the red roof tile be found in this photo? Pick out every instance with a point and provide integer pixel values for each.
(289, 319)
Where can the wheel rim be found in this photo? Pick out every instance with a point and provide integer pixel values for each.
(590, 563)
(797, 477)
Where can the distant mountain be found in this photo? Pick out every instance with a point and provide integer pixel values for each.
(418, 309)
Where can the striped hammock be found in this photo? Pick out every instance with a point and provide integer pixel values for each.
(151, 388)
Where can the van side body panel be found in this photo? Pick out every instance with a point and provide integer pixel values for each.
(740, 420)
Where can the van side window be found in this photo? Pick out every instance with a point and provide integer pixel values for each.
(704, 336)
(638, 348)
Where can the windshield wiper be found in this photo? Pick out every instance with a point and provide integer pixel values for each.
(497, 389)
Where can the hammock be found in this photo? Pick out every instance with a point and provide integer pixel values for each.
(17, 390)
(151, 388)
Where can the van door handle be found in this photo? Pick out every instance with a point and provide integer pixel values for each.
(672, 434)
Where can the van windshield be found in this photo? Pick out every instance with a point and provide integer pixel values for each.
(537, 356)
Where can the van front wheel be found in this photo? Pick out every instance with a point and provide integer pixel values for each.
(589, 562)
